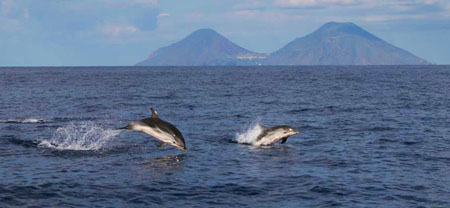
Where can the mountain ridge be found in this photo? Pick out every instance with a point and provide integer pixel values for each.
(201, 47)
(331, 44)
(341, 44)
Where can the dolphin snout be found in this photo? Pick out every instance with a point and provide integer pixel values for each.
(182, 148)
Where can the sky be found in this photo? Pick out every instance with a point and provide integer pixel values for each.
(124, 32)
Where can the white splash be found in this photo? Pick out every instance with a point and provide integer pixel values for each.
(24, 120)
(249, 135)
(84, 136)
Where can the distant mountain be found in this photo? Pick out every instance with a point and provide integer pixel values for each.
(341, 44)
(204, 47)
(332, 44)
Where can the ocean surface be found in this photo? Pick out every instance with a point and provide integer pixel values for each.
(374, 136)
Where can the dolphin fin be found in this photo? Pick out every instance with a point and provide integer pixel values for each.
(283, 140)
(163, 144)
(154, 113)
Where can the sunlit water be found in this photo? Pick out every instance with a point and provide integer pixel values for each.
(370, 137)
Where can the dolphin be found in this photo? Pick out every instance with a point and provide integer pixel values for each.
(159, 129)
(275, 134)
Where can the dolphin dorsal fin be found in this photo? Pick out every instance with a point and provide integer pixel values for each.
(154, 113)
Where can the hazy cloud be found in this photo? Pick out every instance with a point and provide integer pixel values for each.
(387, 6)
(251, 4)
(151, 3)
(163, 15)
(12, 18)
(67, 18)
(5, 7)
(295, 3)
(310, 3)
(113, 30)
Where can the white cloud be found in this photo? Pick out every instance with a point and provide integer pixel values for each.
(12, 18)
(115, 30)
(264, 16)
(431, 1)
(310, 3)
(342, 2)
(295, 3)
(26, 14)
(5, 7)
(10, 25)
(377, 6)
(163, 15)
(116, 4)
(150, 3)
(252, 4)
(447, 12)
(384, 18)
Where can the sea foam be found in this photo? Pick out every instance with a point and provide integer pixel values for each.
(24, 120)
(84, 136)
(250, 133)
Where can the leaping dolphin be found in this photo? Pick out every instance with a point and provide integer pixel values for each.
(275, 134)
(160, 129)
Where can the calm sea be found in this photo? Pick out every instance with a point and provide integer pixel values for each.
(375, 136)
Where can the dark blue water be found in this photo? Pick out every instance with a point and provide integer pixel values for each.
(370, 137)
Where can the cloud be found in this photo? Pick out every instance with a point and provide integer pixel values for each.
(310, 3)
(10, 25)
(403, 10)
(384, 18)
(122, 3)
(447, 13)
(163, 15)
(5, 7)
(339, 2)
(151, 3)
(252, 4)
(263, 17)
(295, 3)
(64, 20)
(391, 6)
(146, 21)
(12, 18)
(115, 30)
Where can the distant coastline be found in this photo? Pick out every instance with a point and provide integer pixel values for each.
(430, 66)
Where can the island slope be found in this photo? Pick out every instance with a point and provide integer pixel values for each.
(204, 47)
(332, 44)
